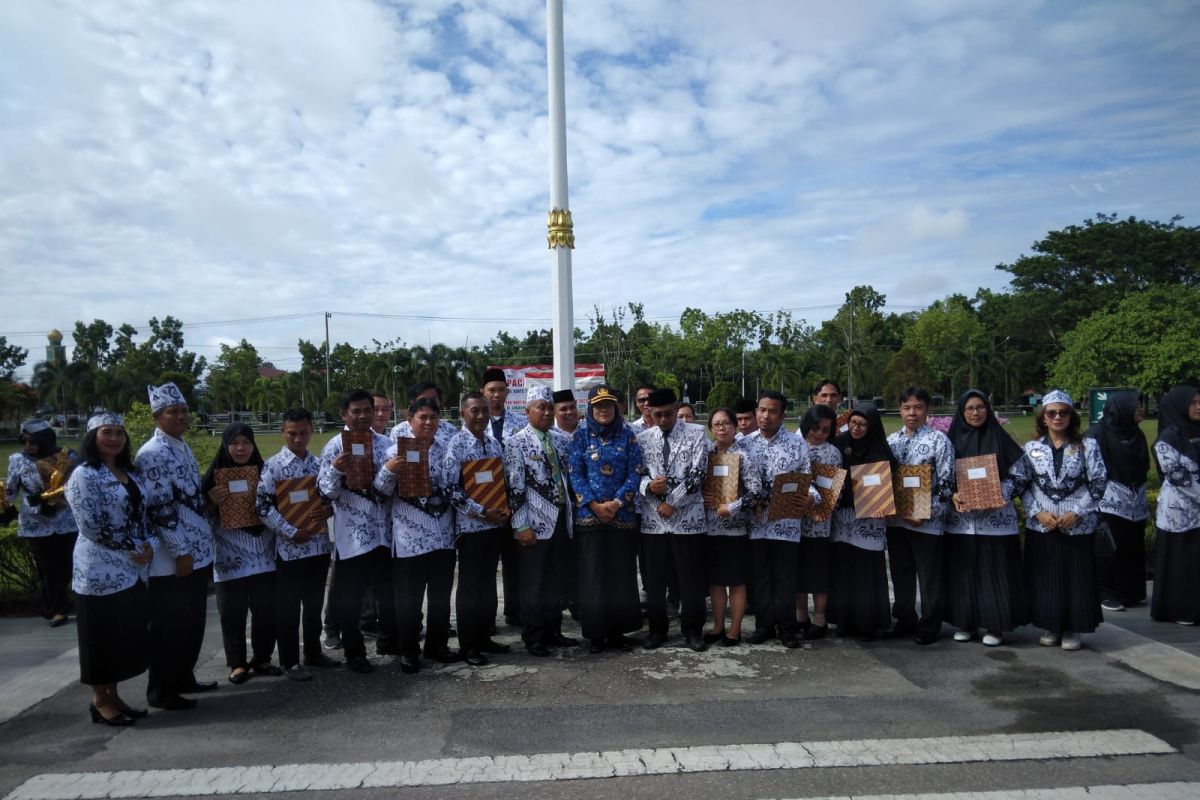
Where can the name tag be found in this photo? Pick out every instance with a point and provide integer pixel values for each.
(824, 482)
(844, 428)
(358, 449)
(976, 473)
(720, 470)
(483, 476)
(238, 487)
(788, 488)
(870, 480)
(412, 456)
(298, 497)
(912, 482)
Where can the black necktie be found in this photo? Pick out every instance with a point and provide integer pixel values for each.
(666, 453)
(498, 429)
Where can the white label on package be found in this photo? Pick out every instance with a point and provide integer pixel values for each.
(238, 487)
(720, 470)
(870, 480)
(788, 488)
(912, 482)
(483, 476)
(300, 496)
(412, 456)
(976, 473)
(824, 482)
(358, 449)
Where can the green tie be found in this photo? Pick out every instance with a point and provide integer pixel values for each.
(552, 458)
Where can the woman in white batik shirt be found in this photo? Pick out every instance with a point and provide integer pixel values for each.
(1177, 560)
(1067, 480)
(984, 587)
(111, 568)
(817, 427)
(244, 565)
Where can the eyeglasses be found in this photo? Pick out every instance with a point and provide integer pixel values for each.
(642, 400)
(1054, 413)
(721, 424)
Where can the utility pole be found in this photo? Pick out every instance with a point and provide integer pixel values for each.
(560, 232)
(327, 390)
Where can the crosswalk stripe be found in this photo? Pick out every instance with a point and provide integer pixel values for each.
(1133, 791)
(588, 765)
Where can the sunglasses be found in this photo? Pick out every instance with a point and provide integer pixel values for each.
(1054, 413)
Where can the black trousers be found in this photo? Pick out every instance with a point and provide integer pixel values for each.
(352, 579)
(475, 600)
(606, 566)
(178, 611)
(367, 620)
(542, 568)
(253, 594)
(414, 577)
(299, 593)
(53, 556)
(776, 580)
(686, 551)
(510, 565)
(1122, 575)
(917, 558)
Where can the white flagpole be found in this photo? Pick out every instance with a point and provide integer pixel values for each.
(560, 232)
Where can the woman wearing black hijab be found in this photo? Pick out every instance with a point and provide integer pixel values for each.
(244, 565)
(1177, 557)
(983, 551)
(858, 594)
(1122, 575)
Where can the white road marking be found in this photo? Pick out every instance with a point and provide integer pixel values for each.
(1158, 660)
(1134, 791)
(577, 766)
(37, 683)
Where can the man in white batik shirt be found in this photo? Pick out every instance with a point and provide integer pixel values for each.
(183, 553)
(674, 461)
(301, 554)
(428, 389)
(641, 401)
(502, 424)
(775, 546)
(362, 537)
(915, 547)
(536, 465)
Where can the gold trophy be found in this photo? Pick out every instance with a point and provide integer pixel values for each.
(54, 472)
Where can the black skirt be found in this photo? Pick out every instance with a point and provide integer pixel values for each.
(858, 593)
(728, 560)
(1122, 575)
(984, 586)
(113, 643)
(814, 565)
(1060, 582)
(1177, 577)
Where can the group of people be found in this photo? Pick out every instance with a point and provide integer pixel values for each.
(573, 508)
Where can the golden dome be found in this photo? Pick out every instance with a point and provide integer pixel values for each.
(54, 336)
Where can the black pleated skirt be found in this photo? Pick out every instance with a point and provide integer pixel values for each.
(727, 560)
(1176, 595)
(858, 595)
(814, 565)
(113, 642)
(1060, 582)
(984, 583)
(1122, 575)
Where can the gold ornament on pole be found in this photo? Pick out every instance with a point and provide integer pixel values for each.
(560, 231)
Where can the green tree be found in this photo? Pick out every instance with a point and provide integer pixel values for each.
(11, 359)
(952, 342)
(232, 376)
(723, 393)
(1148, 340)
(905, 368)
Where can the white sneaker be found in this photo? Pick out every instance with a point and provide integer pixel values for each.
(1112, 605)
(1048, 640)
(1072, 641)
(1187, 622)
(298, 673)
(963, 636)
(991, 640)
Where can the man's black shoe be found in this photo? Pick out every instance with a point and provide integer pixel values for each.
(696, 643)
(654, 641)
(761, 636)
(791, 642)
(475, 658)
(537, 649)
(492, 646)
(926, 638)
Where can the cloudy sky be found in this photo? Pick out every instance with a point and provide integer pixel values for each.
(238, 161)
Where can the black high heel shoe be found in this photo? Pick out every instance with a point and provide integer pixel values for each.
(133, 713)
(119, 721)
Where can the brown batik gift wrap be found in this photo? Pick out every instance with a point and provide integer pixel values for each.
(829, 481)
(300, 504)
(722, 480)
(413, 478)
(361, 472)
(912, 486)
(872, 486)
(237, 510)
(789, 496)
(978, 479)
(483, 481)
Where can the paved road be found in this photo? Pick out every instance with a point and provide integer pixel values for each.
(743, 722)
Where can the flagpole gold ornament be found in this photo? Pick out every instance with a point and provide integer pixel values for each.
(560, 232)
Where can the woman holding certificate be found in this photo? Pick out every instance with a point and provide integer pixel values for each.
(731, 491)
(858, 595)
(244, 565)
(112, 558)
(817, 428)
(983, 551)
(1067, 482)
